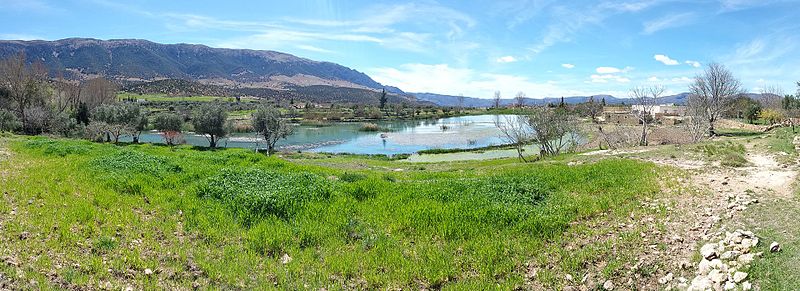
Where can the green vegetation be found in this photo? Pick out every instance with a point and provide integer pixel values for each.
(232, 218)
(372, 127)
(728, 153)
(168, 98)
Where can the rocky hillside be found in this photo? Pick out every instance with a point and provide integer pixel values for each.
(128, 59)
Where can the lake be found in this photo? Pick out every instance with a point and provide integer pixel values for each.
(405, 137)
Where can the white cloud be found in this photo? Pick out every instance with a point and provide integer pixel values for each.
(653, 79)
(604, 78)
(612, 70)
(695, 64)
(312, 48)
(669, 21)
(506, 59)
(444, 79)
(568, 66)
(665, 60)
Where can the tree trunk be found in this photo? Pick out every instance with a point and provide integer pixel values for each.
(643, 142)
(212, 142)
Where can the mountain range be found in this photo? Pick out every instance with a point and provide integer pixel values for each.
(449, 100)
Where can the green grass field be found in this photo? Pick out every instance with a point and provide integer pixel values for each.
(94, 214)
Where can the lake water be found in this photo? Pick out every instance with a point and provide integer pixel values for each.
(405, 137)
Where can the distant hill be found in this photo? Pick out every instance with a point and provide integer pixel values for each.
(145, 66)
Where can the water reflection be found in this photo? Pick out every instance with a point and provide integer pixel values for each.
(404, 136)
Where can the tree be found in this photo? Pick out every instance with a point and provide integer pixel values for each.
(383, 98)
(98, 91)
(553, 130)
(496, 99)
(8, 121)
(515, 131)
(268, 123)
(772, 116)
(592, 109)
(752, 112)
(460, 102)
(603, 102)
(712, 92)
(520, 99)
(25, 85)
(170, 125)
(210, 120)
(562, 104)
(791, 106)
(646, 99)
(120, 119)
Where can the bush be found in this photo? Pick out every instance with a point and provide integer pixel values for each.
(252, 194)
(133, 162)
(59, 148)
(9, 121)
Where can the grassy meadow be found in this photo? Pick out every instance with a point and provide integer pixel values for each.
(87, 215)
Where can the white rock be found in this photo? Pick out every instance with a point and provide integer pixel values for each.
(148, 272)
(666, 279)
(716, 276)
(745, 259)
(729, 285)
(739, 277)
(608, 285)
(704, 267)
(286, 259)
(568, 277)
(709, 251)
(747, 286)
(774, 247)
(701, 283)
(729, 255)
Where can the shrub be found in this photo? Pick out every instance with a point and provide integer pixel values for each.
(9, 121)
(58, 148)
(134, 162)
(252, 194)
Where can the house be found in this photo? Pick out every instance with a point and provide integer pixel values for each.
(662, 110)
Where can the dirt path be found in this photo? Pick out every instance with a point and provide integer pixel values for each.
(714, 203)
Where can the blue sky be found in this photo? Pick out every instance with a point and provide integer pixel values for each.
(544, 48)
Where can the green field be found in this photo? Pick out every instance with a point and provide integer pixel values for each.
(95, 214)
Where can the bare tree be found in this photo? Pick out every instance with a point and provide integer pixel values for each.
(496, 99)
(593, 109)
(646, 99)
(696, 123)
(520, 99)
(713, 91)
(98, 91)
(25, 84)
(460, 102)
(515, 131)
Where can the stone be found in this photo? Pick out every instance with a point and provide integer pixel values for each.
(709, 251)
(739, 277)
(148, 272)
(704, 267)
(729, 285)
(701, 283)
(608, 285)
(747, 286)
(774, 247)
(729, 255)
(666, 279)
(286, 259)
(746, 259)
(716, 276)
(568, 277)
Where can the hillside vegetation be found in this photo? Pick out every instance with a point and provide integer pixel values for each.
(82, 215)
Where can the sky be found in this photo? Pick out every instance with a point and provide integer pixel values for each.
(543, 48)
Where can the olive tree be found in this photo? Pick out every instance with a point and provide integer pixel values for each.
(170, 125)
(268, 123)
(8, 121)
(553, 130)
(711, 93)
(210, 120)
(116, 120)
